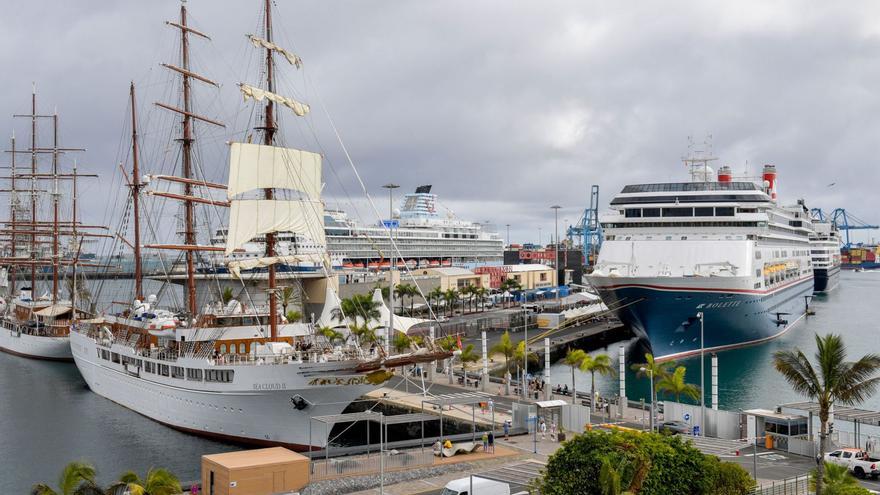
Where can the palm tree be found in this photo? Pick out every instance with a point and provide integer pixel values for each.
(465, 292)
(435, 295)
(573, 359)
(330, 334)
(358, 307)
(226, 295)
(468, 355)
(158, 482)
(510, 285)
(285, 298)
(402, 341)
(676, 385)
(506, 348)
(451, 298)
(412, 291)
(653, 370)
(519, 356)
(365, 334)
(601, 363)
(77, 478)
(293, 316)
(400, 292)
(835, 476)
(833, 380)
(481, 297)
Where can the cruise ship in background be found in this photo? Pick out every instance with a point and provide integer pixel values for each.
(715, 245)
(424, 236)
(825, 253)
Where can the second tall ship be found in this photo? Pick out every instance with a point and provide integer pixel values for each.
(715, 248)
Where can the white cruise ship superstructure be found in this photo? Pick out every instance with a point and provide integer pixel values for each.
(424, 237)
(714, 246)
(825, 250)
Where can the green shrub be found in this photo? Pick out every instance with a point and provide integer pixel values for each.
(845, 490)
(646, 463)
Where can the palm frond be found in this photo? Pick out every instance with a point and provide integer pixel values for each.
(42, 489)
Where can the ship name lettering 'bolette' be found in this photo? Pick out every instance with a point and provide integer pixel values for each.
(718, 246)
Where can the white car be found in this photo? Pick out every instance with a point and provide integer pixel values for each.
(857, 461)
(482, 486)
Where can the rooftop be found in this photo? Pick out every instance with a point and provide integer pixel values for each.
(254, 458)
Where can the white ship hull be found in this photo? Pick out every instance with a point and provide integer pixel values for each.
(257, 407)
(33, 346)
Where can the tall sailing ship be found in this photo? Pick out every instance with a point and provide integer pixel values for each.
(716, 247)
(237, 369)
(35, 324)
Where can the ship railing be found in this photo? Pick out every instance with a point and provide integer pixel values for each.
(294, 357)
(41, 331)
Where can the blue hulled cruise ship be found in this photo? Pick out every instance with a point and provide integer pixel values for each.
(715, 245)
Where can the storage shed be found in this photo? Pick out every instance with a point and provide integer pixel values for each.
(254, 472)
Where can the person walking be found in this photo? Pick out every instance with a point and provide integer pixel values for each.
(492, 442)
(507, 430)
(543, 429)
(485, 442)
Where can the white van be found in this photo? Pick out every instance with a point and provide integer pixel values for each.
(482, 486)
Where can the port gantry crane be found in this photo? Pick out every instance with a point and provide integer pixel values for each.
(588, 229)
(843, 220)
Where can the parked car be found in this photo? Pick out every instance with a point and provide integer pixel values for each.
(482, 486)
(675, 428)
(857, 461)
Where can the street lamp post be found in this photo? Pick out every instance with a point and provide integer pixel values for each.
(391, 187)
(653, 399)
(702, 379)
(556, 247)
(525, 356)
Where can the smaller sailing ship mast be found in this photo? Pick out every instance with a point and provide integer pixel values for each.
(36, 229)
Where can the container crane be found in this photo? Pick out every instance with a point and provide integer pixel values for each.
(843, 220)
(588, 229)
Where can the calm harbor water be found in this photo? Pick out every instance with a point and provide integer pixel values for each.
(48, 417)
(746, 377)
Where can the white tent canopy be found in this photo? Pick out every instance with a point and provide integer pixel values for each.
(401, 323)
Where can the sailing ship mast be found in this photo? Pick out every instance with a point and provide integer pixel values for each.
(269, 129)
(13, 203)
(136, 186)
(189, 245)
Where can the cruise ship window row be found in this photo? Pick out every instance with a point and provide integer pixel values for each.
(690, 186)
(702, 198)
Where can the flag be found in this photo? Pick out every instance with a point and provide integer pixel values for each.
(458, 338)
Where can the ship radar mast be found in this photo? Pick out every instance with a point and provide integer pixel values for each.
(698, 158)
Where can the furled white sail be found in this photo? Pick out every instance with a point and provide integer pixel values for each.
(252, 217)
(261, 43)
(235, 267)
(256, 166)
(259, 94)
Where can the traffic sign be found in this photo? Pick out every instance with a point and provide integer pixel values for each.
(687, 417)
(391, 224)
(696, 430)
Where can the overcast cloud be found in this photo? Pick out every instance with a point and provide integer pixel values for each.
(505, 107)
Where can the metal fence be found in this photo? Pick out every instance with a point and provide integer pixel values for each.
(799, 485)
(364, 465)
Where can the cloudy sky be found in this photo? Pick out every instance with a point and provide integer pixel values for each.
(505, 107)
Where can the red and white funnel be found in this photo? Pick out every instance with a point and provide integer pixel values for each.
(769, 177)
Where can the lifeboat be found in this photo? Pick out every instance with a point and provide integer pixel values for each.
(411, 263)
(434, 263)
(348, 264)
(446, 263)
(385, 264)
(373, 264)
